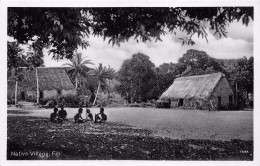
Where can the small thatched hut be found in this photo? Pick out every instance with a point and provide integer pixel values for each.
(52, 81)
(210, 91)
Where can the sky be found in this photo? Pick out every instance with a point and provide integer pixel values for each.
(239, 43)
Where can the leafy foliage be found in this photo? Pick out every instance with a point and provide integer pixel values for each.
(165, 75)
(139, 77)
(78, 68)
(136, 76)
(102, 74)
(17, 58)
(195, 62)
(70, 99)
(241, 76)
(63, 30)
(244, 74)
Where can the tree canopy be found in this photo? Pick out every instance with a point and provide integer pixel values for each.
(136, 76)
(17, 58)
(64, 30)
(195, 62)
(140, 80)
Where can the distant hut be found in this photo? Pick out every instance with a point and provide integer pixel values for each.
(50, 81)
(210, 91)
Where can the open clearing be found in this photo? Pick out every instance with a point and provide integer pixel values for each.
(174, 123)
(132, 133)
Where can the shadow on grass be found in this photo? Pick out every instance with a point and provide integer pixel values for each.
(17, 112)
(34, 138)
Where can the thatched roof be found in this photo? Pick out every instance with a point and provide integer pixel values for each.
(198, 86)
(49, 78)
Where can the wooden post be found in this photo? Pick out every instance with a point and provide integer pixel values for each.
(37, 86)
(212, 107)
(97, 93)
(86, 114)
(15, 95)
(108, 87)
(236, 94)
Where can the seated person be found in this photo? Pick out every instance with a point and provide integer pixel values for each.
(89, 115)
(63, 113)
(101, 117)
(55, 118)
(78, 118)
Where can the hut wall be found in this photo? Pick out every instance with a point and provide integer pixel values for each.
(33, 94)
(10, 93)
(68, 92)
(190, 103)
(174, 103)
(222, 90)
(50, 93)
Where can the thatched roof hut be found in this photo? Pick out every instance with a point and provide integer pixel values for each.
(210, 87)
(49, 78)
(52, 81)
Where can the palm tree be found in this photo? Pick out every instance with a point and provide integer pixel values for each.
(78, 68)
(102, 74)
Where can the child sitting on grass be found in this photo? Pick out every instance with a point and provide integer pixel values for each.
(101, 117)
(89, 115)
(55, 118)
(63, 113)
(78, 118)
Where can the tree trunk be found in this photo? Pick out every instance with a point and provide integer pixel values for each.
(15, 95)
(97, 92)
(37, 86)
(108, 95)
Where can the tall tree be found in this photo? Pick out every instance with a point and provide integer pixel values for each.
(245, 74)
(102, 74)
(17, 59)
(136, 76)
(195, 62)
(240, 71)
(241, 77)
(66, 29)
(165, 74)
(78, 68)
(15, 56)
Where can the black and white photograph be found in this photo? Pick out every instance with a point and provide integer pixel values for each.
(131, 82)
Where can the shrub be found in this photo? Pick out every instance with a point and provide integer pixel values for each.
(43, 101)
(70, 100)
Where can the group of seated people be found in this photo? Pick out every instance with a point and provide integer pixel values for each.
(58, 116)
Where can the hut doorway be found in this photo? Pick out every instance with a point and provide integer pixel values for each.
(219, 101)
(41, 94)
(22, 95)
(230, 100)
(180, 102)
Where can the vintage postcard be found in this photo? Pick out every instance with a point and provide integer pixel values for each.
(133, 82)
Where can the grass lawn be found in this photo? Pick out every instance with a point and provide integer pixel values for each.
(31, 137)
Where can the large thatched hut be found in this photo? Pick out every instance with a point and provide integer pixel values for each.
(49, 81)
(210, 91)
